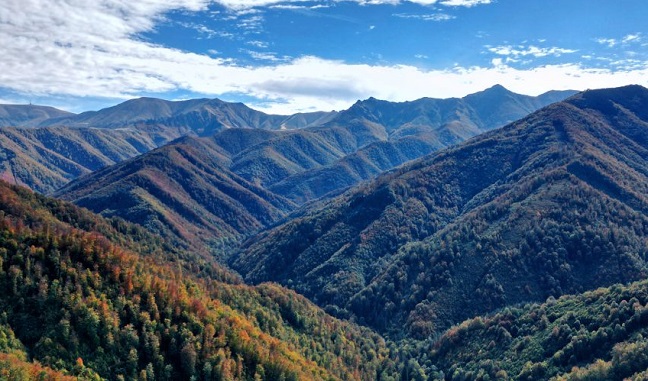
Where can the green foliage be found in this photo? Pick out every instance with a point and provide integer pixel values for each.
(552, 204)
(598, 335)
(85, 305)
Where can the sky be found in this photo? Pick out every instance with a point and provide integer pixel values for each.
(287, 56)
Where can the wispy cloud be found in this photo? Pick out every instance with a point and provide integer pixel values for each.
(531, 50)
(631, 38)
(266, 56)
(425, 17)
(205, 31)
(465, 3)
(299, 4)
(251, 24)
(258, 44)
(625, 40)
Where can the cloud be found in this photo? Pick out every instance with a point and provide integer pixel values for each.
(631, 38)
(266, 56)
(93, 49)
(300, 4)
(258, 44)
(610, 42)
(425, 17)
(523, 51)
(465, 3)
(625, 40)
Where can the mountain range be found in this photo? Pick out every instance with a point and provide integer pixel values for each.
(29, 115)
(432, 269)
(551, 204)
(224, 187)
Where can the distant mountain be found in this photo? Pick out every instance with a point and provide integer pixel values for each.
(94, 298)
(45, 159)
(351, 146)
(184, 189)
(371, 137)
(290, 167)
(599, 335)
(203, 117)
(28, 115)
(552, 204)
(407, 131)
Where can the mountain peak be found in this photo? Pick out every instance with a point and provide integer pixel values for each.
(497, 90)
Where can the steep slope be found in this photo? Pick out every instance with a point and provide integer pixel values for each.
(184, 189)
(355, 145)
(45, 159)
(203, 117)
(600, 335)
(410, 130)
(28, 115)
(82, 303)
(548, 205)
(302, 164)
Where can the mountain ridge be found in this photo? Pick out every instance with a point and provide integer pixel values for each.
(411, 243)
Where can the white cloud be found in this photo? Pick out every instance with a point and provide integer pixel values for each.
(266, 56)
(625, 40)
(465, 3)
(631, 38)
(523, 51)
(299, 4)
(258, 44)
(92, 49)
(610, 42)
(425, 17)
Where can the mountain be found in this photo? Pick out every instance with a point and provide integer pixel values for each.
(45, 159)
(275, 172)
(183, 189)
(203, 117)
(28, 115)
(408, 131)
(354, 145)
(599, 335)
(96, 298)
(369, 138)
(552, 204)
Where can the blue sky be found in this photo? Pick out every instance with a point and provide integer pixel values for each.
(290, 56)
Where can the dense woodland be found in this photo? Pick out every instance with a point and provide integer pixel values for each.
(433, 271)
(549, 205)
(76, 299)
(599, 335)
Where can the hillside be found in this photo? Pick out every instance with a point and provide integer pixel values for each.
(185, 190)
(354, 145)
(81, 302)
(406, 131)
(599, 335)
(28, 115)
(548, 205)
(45, 159)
